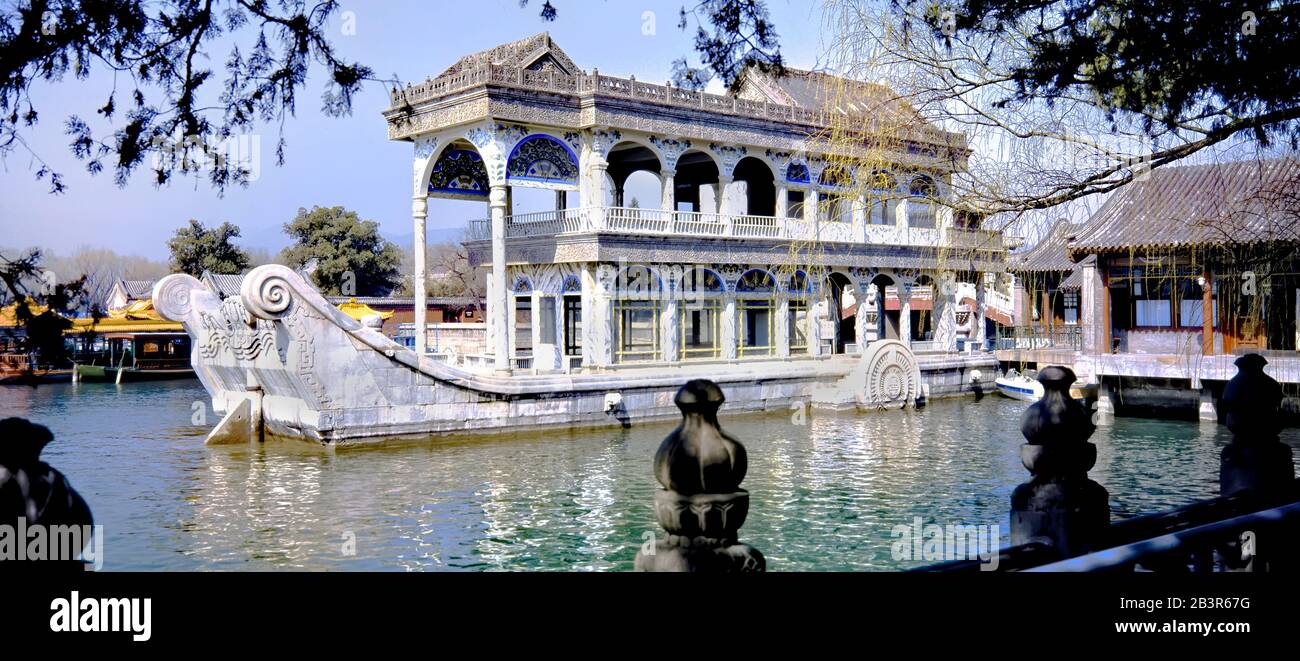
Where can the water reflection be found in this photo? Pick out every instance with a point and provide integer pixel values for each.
(827, 488)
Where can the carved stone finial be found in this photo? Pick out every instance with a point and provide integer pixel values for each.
(701, 505)
(1057, 418)
(698, 457)
(1059, 505)
(1255, 460)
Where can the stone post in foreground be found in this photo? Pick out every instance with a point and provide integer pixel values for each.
(701, 505)
(1059, 505)
(1255, 460)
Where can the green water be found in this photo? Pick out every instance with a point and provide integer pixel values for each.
(825, 494)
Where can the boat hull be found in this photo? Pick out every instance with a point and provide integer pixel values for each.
(100, 374)
(1028, 390)
(286, 363)
(1020, 389)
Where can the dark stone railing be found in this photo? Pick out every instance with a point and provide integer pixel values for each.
(1059, 519)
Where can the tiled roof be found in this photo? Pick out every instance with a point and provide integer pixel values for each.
(1199, 205)
(226, 284)
(1049, 254)
(538, 51)
(823, 92)
(138, 288)
(388, 301)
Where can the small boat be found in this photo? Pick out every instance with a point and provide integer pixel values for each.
(1026, 388)
(137, 356)
(1019, 386)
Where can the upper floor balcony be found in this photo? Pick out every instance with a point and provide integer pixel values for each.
(659, 222)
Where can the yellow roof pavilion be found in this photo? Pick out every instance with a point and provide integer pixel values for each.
(139, 317)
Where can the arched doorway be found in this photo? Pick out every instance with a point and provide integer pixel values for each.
(844, 300)
(922, 309)
(625, 160)
(887, 320)
(696, 170)
(760, 186)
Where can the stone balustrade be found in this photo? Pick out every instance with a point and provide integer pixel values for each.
(597, 84)
(626, 220)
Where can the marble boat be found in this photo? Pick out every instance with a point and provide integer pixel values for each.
(785, 267)
(281, 362)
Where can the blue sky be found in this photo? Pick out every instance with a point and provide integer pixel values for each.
(336, 161)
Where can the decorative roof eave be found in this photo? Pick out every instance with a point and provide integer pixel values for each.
(591, 111)
(1050, 254)
(1076, 253)
(601, 90)
(1193, 207)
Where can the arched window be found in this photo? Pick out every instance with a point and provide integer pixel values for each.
(459, 173)
(541, 159)
(797, 173)
(880, 191)
(799, 288)
(636, 309)
(755, 292)
(572, 289)
(701, 311)
(921, 209)
(523, 291)
(834, 183)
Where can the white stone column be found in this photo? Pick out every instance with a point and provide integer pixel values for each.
(670, 333)
(588, 275)
(860, 337)
(1092, 309)
(818, 312)
(730, 327)
(900, 215)
(668, 191)
(498, 306)
(945, 311)
(782, 327)
(597, 320)
(979, 332)
(541, 354)
(596, 190)
(905, 314)
(782, 201)
(720, 194)
(811, 213)
(735, 196)
(419, 213)
(512, 328)
(872, 331)
(858, 214)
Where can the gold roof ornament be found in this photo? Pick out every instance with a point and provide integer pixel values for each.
(360, 311)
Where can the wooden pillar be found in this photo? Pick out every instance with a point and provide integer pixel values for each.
(1105, 306)
(1207, 315)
